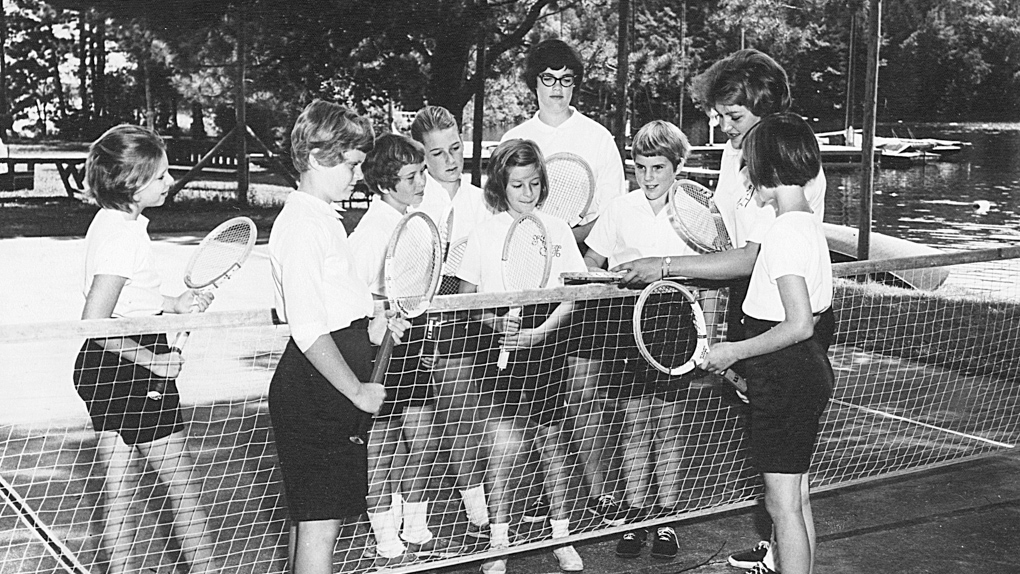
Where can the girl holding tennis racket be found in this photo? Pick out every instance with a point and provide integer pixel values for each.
(317, 398)
(516, 186)
(789, 326)
(401, 444)
(127, 172)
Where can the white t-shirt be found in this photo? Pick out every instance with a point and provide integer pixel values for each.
(793, 245)
(317, 289)
(628, 230)
(369, 241)
(745, 218)
(117, 245)
(586, 138)
(482, 265)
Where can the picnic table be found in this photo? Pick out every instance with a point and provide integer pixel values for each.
(19, 170)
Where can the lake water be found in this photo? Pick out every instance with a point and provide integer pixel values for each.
(971, 201)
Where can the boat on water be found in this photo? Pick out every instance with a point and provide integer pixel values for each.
(897, 152)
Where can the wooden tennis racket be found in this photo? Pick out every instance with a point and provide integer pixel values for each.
(526, 262)
(411, 272)
(669, 329)
(222, 252)
(571, 187)
(696, 219)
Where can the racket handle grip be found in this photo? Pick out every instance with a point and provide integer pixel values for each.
(382, 362)
(180, 341)
(739, 383)
(504, 354)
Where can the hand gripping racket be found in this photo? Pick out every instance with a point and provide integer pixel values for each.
(571, 187)
(411, 276)
(526, 263)
(696, 219)
(220, 253)
(669, 329)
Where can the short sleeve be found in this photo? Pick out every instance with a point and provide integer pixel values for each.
(119, 254)
(304, 302)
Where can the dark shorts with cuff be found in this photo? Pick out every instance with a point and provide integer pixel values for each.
(325, 472)
(115, 391)
(788, 391)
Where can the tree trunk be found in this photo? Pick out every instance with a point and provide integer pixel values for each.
(240, 108)
(6, 120)
(622, 53)
(150, 119)
(99, 74)
(197, 129)
(83, 65)
(448, 64)
(479, 119)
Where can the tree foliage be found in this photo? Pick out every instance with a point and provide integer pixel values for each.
(942, 59)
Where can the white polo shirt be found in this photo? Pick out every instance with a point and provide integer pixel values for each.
(117, 245)
(629, 230)
(588, 139)
(482, 263)
(369, 241)
(317, 290)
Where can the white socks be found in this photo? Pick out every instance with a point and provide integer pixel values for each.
(387, 543)
(416, 522)
(474, 505)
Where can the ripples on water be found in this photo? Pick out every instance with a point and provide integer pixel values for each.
(971, 201)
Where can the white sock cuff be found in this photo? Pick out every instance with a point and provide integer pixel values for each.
(560, 528)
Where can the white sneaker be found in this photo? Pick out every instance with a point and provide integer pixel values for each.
(497, 566)
(569, 559)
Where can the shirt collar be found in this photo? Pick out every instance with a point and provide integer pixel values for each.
(314, 204)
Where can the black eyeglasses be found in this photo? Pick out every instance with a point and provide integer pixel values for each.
(549, 80)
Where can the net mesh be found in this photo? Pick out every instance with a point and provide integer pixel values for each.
(669, 328)
(220, 253)
(571, 186)
(923, 379)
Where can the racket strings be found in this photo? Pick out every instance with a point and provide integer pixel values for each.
(668, 328)
(412, 267)
(570, 185)
(219, 254)
(524, 262)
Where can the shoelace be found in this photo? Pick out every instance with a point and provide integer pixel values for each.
(665, 531)
(761, 568)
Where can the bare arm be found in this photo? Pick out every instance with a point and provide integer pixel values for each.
(731, 264)
(594, 260)
(326, 358)
(100, 303)
(799, 325)
(581, 231)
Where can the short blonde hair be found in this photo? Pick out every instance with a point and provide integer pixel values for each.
(330, 130)
(122, 161)
(663, 138)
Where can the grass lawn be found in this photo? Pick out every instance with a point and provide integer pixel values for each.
(47, 211)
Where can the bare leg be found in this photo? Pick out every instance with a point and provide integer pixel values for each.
(123, 469)
(668, 446)
(175, 466)
(421, 442)
(507, 449)
(635, 444)
(551, 443)
(456, 406)
(311, 546)
(783, 498)
(589, 433)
